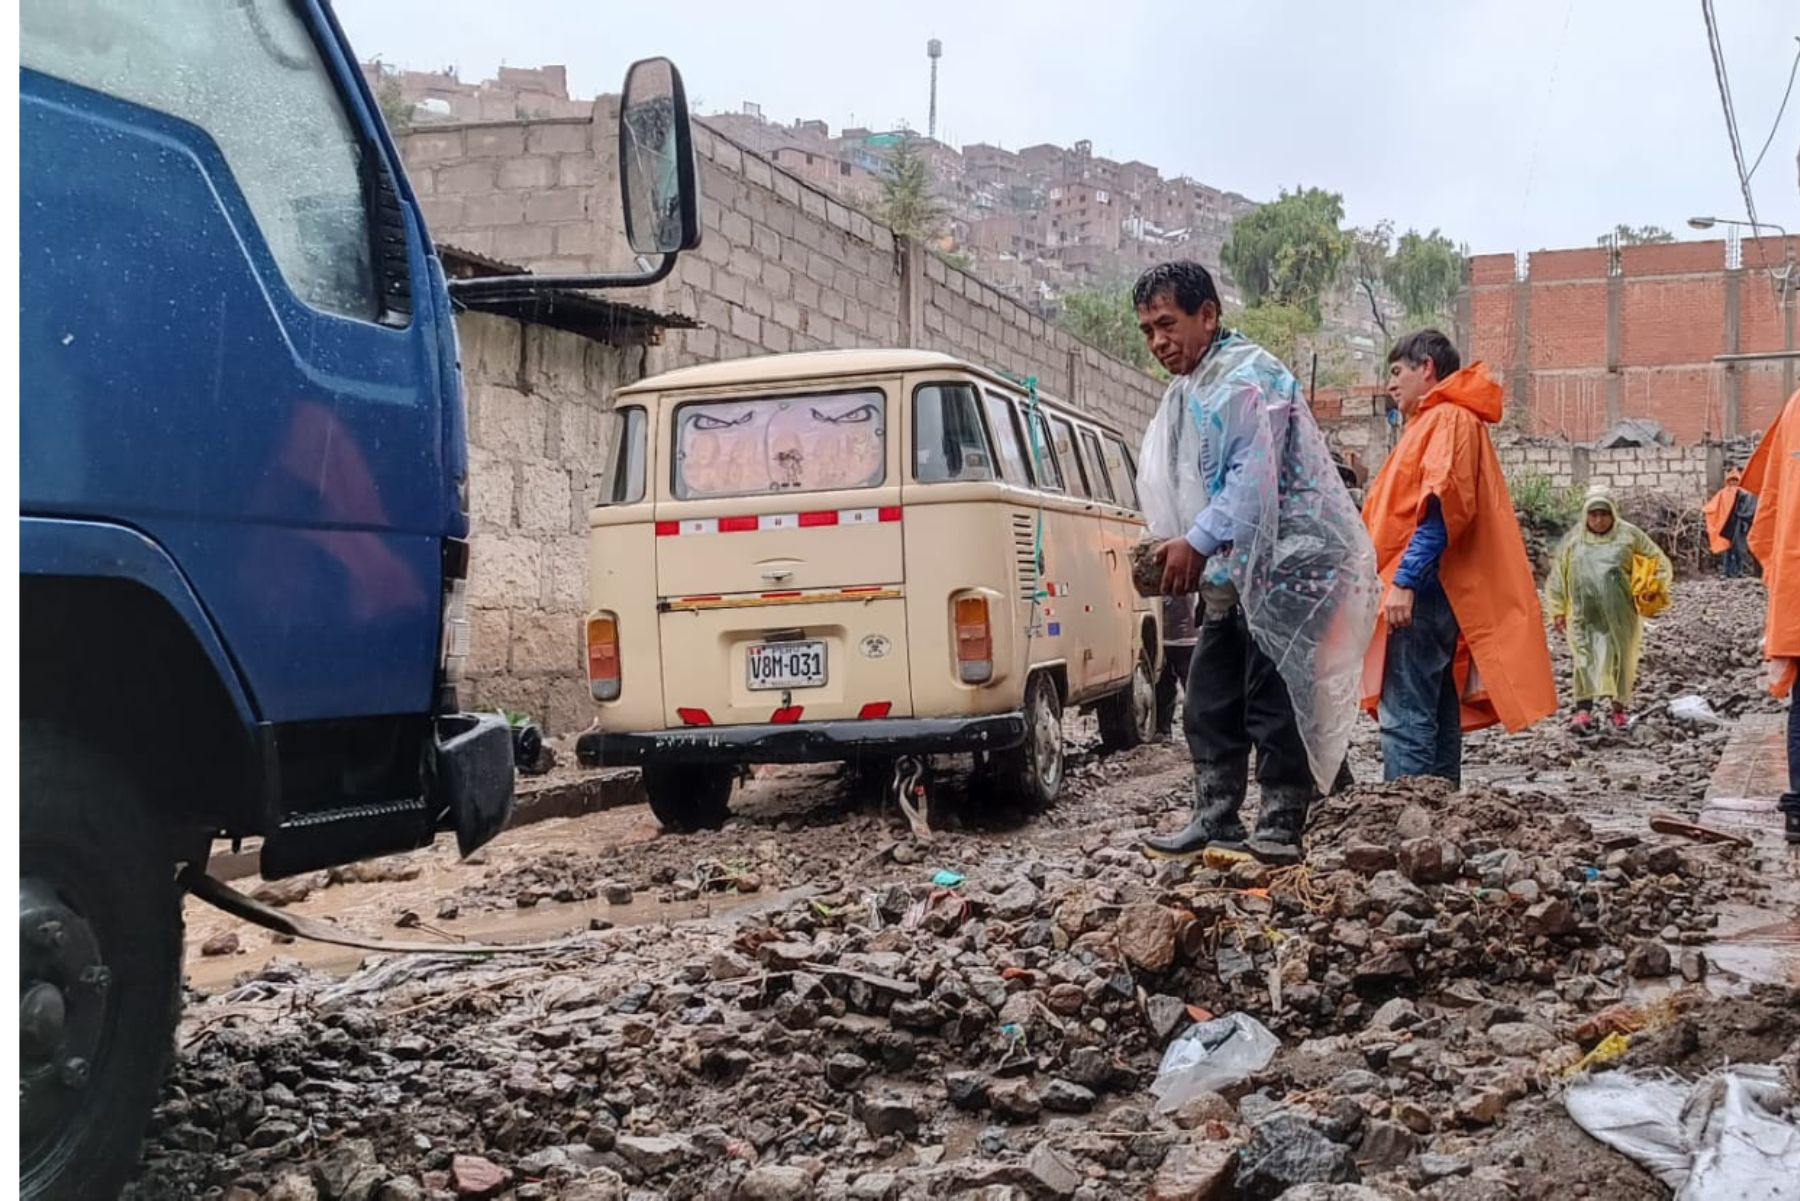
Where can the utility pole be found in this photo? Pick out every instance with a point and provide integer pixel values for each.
(934, 50)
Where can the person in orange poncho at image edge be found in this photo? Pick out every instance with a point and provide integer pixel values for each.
(1728, 516)
(1459, 643)
(1774, 475)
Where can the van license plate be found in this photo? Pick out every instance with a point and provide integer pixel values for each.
(786, 665)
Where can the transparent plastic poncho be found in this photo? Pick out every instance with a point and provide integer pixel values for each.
(1300, 559)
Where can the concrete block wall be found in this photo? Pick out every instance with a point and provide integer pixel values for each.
(1687, 473)
(537, 404)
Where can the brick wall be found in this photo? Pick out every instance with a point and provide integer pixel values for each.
(1584, 340)
(537, 400)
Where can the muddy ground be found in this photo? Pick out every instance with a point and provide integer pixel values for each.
(801, 1005)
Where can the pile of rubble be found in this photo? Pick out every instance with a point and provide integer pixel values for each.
(1442, 958)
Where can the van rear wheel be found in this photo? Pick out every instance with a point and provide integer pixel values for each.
(1033, 771)
(689, 796)
(1128, 717)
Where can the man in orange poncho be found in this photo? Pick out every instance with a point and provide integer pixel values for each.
(1774, 475)
(1728, 516)
(1459, 643)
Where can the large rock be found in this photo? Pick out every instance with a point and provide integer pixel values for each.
(1014, 1100)
(1146, 935)
(966, 1090)
(349, 1172)
(1394, 892)
(1554, 917)
(1286, 1150)
(1051, 1174)
(1195, 1172)
(1430, 860)
(1202, 1108)
(1167, 1015)
(1368, 858)
(890, 1113)
(1520, 1039)
(1018, 902)
(293, 1187)
(775, 1183)
(651, 1154)
(1648, 959)
(1386, 1145)
(474, 1177)
(1396, 1014)
(1064, 1096)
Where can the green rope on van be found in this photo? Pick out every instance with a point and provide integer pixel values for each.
(1034, 423)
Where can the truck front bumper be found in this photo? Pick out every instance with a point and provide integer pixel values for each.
(472, 760)
(811, 742)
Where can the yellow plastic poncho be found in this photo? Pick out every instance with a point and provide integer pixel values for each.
(1590, 586)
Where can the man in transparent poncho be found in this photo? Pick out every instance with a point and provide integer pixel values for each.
(1236, 478)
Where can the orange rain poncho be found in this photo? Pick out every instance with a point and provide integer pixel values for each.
(1774, 475)
(1486, 574)
(1718, 512)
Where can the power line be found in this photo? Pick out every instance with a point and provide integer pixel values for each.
(1731, 128)
(1779, 113)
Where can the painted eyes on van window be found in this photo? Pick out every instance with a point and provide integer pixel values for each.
(860, 415)
(705, 421)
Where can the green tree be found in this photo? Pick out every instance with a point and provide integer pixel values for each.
(1104, 317)
(907, 205)
(1291, 251)
(1635, 235)
(396, 109)
(1425, 273)
(1278, 329)
(1369, 253)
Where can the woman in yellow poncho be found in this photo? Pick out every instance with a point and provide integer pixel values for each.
(1589, 595)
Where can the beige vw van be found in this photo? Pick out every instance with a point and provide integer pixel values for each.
(858, 555)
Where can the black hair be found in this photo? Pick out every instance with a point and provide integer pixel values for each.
(1190, 284)
(1415, 348)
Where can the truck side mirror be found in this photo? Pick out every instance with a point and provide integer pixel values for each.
(656, 161)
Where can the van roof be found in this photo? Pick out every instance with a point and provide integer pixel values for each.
(818, 364)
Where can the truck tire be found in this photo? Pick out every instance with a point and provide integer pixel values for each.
(99, 968)
(1032, 772)
(689, 796)
(1128, 717)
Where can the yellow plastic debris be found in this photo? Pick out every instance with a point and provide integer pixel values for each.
(1649, 591)
(1605, 1052)
(1220, 859)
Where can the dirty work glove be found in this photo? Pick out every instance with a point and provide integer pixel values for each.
(1778, 675)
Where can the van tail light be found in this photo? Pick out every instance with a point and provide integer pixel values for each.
(974, 641)
(458, 637)
(603, 657)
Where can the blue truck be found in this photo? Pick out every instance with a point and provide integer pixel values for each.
(243, 517)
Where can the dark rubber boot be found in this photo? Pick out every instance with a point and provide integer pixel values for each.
(1218, 794)
(1279, 823)
(1790, 810)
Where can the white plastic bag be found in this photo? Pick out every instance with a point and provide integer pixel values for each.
(1694, 709)
(1211, 1056)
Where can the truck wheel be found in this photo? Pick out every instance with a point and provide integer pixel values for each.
(1128, 717)
(689, 796)
(99, 968)
(1033, 771)
(1168, 699)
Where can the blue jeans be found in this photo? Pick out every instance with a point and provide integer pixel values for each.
(1790, 801)
(1421, 713)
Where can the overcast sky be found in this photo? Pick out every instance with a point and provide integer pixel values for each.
(1510, 124)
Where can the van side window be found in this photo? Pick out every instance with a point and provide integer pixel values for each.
(1050, 477)
(1124, 470)
(1008, 440)
(1096, 461)
(949, 442)
(1070, 456)
(249, 74)
(627, 458)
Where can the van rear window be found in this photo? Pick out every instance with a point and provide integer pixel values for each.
(948, 440)
(816, 443)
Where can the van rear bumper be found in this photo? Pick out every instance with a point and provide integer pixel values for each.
(811, 742)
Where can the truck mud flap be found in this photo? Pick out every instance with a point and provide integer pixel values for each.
(222, 896)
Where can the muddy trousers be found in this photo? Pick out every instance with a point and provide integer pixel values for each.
(1236, 700)
(1421, 713)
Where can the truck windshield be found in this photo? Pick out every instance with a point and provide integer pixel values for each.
(813, 443)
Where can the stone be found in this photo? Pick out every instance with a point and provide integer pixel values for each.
(1014, 1101)
(1519, 1039)
(226, 943)
(1553, 917)
(1392, 892)
(844, 1069)
(1481, 1109)
(1430, 860)
(1167, 1015)
(617, 894)
(1415, 821)
(1385, 1145)
(293, 1187)
(1317, 1191)
(282, 893)
(1359, 1082)
(1064, 1096)
(1195, 1172)
(1433, 1167)
(652, 1155)
(1395, 1014)
(1414, 1117)
(1648, 959)
(890, 1113)
(1388, 964)
(1051, 1173)
(400, 1188)
(875, 1186)
(348, 1172)
(1286, 1150)
(1066, 999)
(728, 965)
(1202, 1108)
(1146, 936)
(1018, 902)
(1091, 1066)
(1693, 965)
(966, 1090)
(786, 956)
(775, 1183)
(473, 1176)
(1367, 858)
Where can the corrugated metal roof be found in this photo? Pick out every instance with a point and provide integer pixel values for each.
(589, 314)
